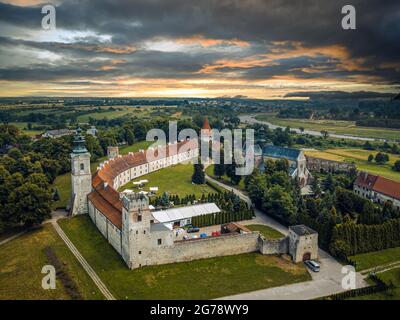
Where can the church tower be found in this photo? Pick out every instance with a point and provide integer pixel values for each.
(206, 131)
(80, 175)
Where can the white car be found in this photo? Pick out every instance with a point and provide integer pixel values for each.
(313, 265)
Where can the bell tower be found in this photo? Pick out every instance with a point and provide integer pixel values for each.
(80, 175)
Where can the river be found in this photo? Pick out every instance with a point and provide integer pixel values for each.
(251, 119)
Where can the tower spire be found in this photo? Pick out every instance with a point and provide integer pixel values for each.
(79, 142)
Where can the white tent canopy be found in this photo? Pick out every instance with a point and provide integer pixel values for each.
(176, 214)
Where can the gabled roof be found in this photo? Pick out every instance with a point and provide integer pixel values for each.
(365, 180)
(379, 184)
(281, 152)
(387, 187)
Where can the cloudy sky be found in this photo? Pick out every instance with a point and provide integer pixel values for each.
(199, 48)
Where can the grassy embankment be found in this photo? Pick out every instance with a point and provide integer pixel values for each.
(21, 262)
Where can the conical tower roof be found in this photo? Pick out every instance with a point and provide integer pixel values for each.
(206, 125)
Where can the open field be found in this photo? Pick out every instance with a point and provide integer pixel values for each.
(21, 262)
(120, 111)
(373, 259)
(202, 279)
(333, 126)
(63, 182)
(224, 179)
(360, 158)
(266, 231)
(174, 180)
(387, 276)
(23, 126)
(112, 114)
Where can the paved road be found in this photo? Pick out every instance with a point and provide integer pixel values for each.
(324, 283)
(92, 274)
(252, 119)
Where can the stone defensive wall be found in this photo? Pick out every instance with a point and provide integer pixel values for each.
(209, 247)
(275, 246)
(323, 165)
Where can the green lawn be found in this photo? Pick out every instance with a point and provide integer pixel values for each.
(360, 158)
(378, 258)
(201, 279)
(21, 262)
(224, 179)
(266, 231)
(63, 182)
(175, 180)
(333, 126)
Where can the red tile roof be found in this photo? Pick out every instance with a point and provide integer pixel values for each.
(365, 180)
(105, 198)
(387, 187)
(206, 124)
(379, 184)
(112, 214)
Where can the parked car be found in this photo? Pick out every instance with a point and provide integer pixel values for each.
(313, 265)
(193, 229)
(203, 235)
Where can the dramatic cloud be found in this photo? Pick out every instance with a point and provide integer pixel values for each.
(254, 48)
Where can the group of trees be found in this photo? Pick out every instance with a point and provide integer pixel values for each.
(211, 219)
(165, 200)
(274, 191)
(333, 203)
(380, 158)
(25, 178)
(232, 207)
(383, 147)
(198, 176)
(351, 238)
